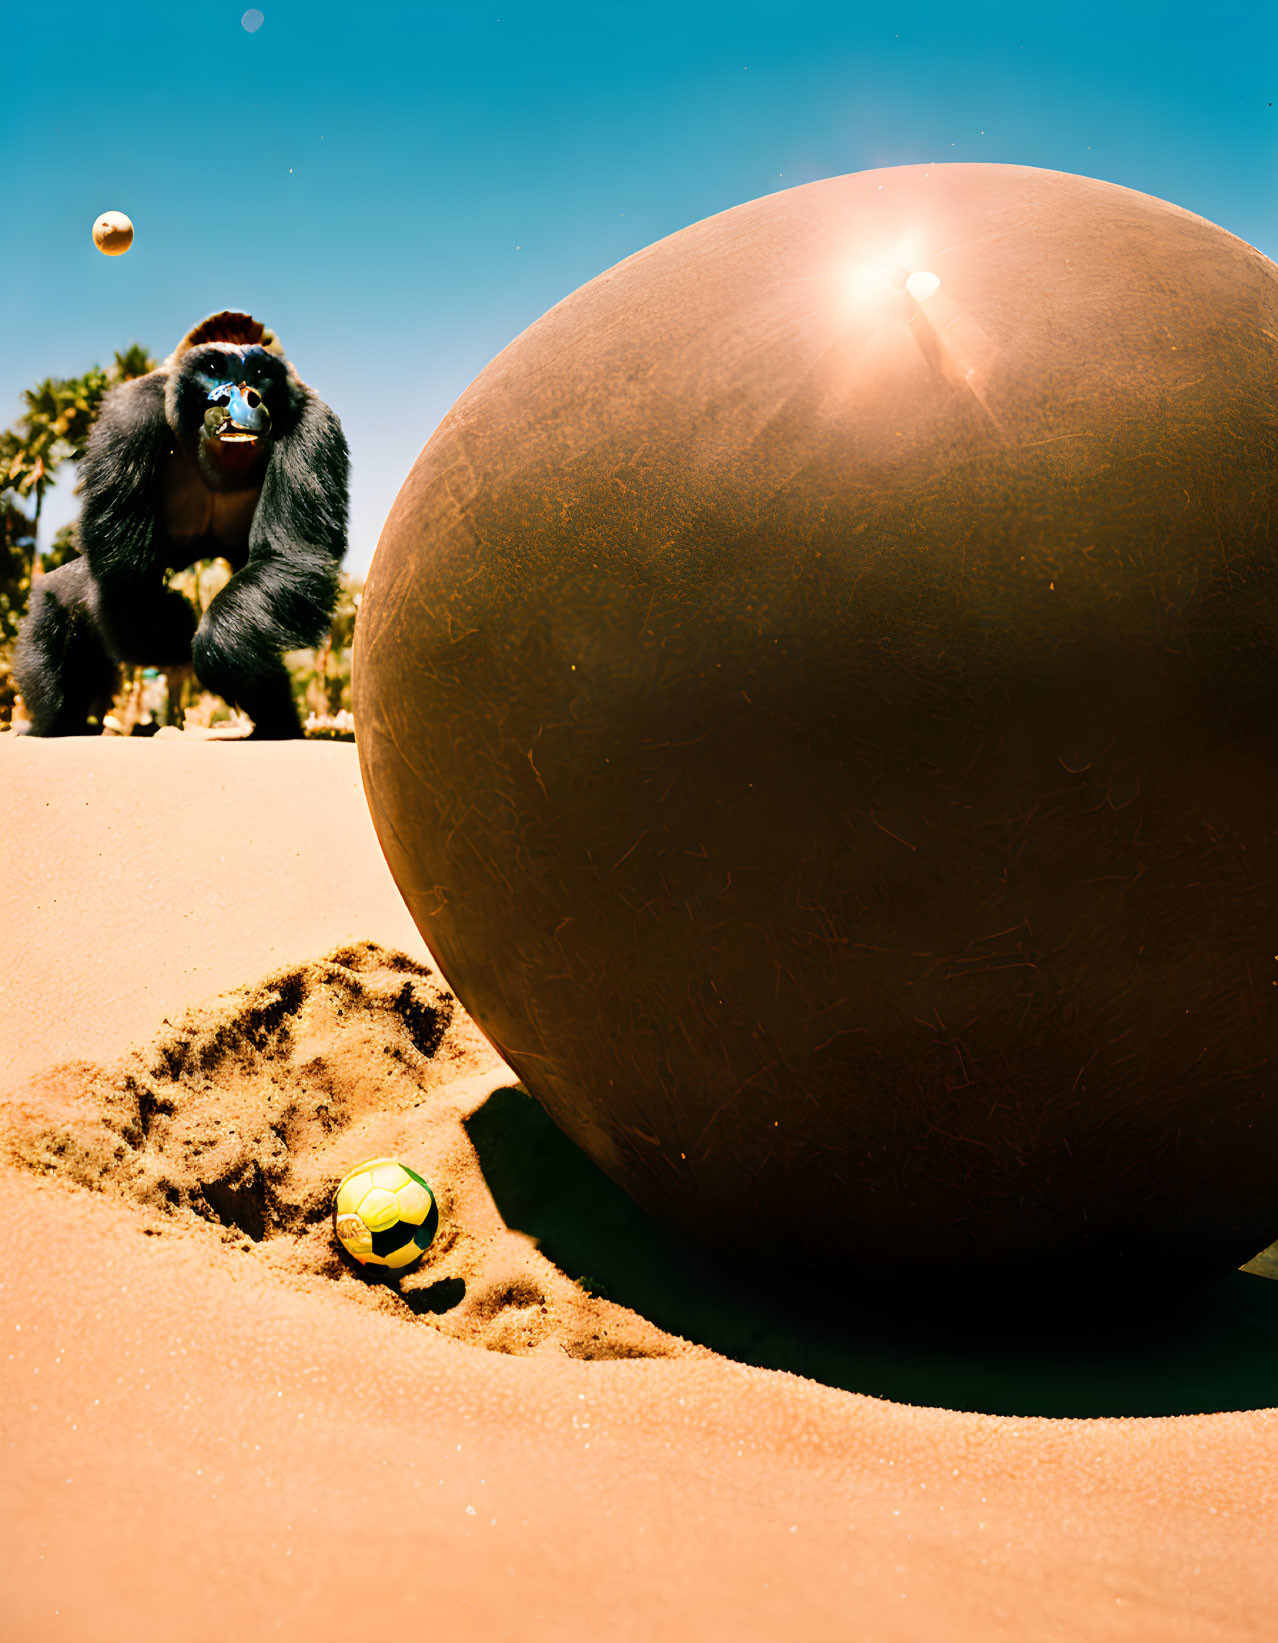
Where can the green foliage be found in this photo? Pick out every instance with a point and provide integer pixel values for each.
(55, 423)
(16, 544)
(201, 582)
(322, 678)
(53, 428)
(63, 547)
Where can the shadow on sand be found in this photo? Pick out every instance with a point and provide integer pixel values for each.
(1213, 1347)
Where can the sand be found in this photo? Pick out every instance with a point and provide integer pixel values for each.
(213, 1004)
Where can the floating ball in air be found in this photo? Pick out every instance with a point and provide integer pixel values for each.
(113, 233)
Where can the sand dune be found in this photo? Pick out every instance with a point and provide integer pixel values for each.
(135, 889)
(238, 1121)
(214, 1425)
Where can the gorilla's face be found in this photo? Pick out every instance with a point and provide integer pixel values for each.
(229, 401)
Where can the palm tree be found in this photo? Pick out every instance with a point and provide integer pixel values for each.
(55, 426)
(15, 556)
(34, 455)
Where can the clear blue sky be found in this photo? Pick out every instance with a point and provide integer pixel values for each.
(398, 189)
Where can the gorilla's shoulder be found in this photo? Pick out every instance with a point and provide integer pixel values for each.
(139, 397)
(130, 409)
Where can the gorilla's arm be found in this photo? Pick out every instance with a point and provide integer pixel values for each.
(285, 596)
(121, 474)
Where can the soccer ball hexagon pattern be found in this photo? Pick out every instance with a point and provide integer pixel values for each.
(384, 1214)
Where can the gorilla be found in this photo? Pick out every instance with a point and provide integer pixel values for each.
(222, 452)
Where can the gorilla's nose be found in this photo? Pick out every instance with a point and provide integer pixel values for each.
(246, 408)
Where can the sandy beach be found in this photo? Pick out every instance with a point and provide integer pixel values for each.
(214, 1003)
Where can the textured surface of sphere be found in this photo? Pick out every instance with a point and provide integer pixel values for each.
(826, 734)
(113, 233)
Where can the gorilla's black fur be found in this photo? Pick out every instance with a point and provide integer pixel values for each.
(171, 475)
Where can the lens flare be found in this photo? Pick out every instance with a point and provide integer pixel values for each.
(870, 279)
(921, 286)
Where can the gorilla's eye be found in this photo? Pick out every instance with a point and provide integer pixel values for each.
(215, 366)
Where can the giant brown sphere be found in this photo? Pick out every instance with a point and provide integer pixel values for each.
(822, 721)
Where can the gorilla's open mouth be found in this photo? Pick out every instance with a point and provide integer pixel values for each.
(237, 416)
(223, 429)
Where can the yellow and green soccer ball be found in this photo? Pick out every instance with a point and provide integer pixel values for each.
(384, 1214)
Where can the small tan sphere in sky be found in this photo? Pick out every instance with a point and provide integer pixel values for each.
(113, 233)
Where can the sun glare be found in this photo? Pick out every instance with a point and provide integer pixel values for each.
(922, 286)
(889, 269)
(871, 279)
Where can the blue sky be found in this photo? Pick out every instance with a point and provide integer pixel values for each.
(398, 189)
